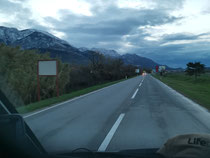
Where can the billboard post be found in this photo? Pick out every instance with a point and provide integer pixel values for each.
(47, 68)
(57, 87)
(157, 68)
(38, 84)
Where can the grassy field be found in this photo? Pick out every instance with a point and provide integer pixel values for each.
(52, 101)
(195, 89)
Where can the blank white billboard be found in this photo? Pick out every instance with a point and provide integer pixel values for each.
(162, 68)
(47, 67)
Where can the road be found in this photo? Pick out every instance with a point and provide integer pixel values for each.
(141, 112)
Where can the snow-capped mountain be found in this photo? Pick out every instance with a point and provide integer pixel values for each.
(83, 49)
(43, 41)
(46, 42)
(137, 60)
(106, 52)
(132, 59)
(30, 38)
(111, 53)
(11, 35)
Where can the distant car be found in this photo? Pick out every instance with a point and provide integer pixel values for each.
(144, 73)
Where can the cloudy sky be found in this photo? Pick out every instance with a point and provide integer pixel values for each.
(171, 32)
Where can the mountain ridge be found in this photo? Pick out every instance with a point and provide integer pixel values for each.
(46, 42)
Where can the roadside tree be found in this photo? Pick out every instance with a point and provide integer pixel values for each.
(195, 69)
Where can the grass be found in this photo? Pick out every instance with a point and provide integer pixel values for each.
(51, 101)
(196, 89)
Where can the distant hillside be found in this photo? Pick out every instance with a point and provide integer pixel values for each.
(111, 53)
(45, 42)
(134, 59)
(42, 41)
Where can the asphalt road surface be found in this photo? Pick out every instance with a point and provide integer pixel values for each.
(141, 112)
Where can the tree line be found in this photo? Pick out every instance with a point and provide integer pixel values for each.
(19, 69)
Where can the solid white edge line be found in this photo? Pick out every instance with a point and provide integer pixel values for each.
(135, 93)
(140, 84)
(181, 96)
(111, 133)
(56, 105)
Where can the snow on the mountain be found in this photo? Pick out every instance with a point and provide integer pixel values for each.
(13, 36)
(106, 52)
(83, 49)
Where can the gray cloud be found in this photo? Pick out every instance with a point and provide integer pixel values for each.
(108, 25)
(112, 27)
(180, 36)
(174, 55)
(177, 55)
(9, 7)
(21, 16)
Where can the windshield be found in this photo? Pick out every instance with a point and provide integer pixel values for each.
(107, 75)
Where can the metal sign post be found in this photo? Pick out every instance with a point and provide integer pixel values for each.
(38, 84)
(47, 68)
(157, 68)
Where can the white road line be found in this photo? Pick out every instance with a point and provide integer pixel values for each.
(111, 133)
(140, 84)
(135, 93)
(34, 113)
